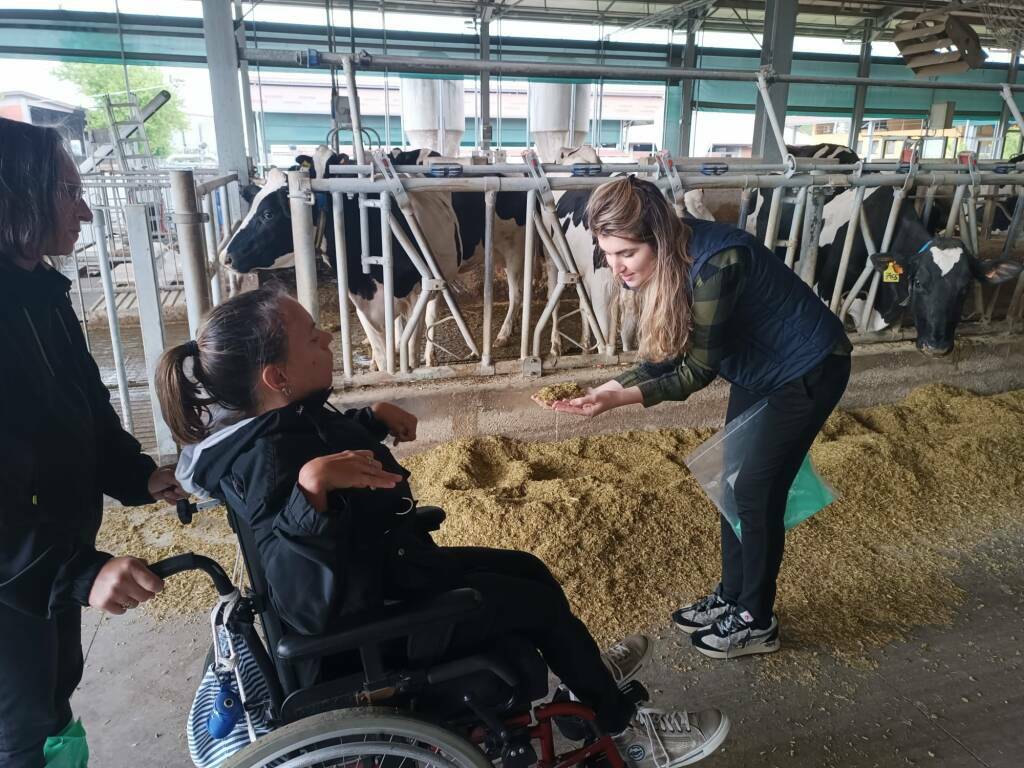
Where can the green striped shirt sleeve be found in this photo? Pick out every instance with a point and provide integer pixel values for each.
(715, 292)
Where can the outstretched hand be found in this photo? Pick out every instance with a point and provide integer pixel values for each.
(400, 423)
(591, 404)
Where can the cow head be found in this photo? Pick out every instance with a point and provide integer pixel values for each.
(264, 238)
(934, 281)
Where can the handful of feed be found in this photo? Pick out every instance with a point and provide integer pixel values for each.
(567, 390)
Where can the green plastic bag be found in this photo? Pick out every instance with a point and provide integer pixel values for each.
(68, 749)
(716, 464)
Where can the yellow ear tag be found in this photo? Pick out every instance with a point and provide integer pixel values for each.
(892, 273)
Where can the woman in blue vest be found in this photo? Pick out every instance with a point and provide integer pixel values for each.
(715, 302)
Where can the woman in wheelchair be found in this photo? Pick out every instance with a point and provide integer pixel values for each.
(333, 517)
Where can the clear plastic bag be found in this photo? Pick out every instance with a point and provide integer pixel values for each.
(717, 463)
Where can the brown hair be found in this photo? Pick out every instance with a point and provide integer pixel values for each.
(30, 158)
(235, 342)
(636, 209)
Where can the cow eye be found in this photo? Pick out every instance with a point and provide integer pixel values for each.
(268, 215)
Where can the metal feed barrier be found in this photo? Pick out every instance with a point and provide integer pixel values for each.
(147, 260)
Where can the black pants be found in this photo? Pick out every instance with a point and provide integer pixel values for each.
(521, 597)
(40, 667)
(785, 432)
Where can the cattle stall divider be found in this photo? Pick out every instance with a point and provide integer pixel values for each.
(546, 231)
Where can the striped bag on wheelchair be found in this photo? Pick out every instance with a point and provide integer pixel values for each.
(206, 751)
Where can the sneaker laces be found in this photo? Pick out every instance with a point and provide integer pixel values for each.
(707, 603)
(657, 722)
(615, 655)
(731, 622)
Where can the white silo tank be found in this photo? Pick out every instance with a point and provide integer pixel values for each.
(553, 108)
(434, 114)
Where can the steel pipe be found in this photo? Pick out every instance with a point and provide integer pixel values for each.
(341, 266)
(848, 243)
(302, 239)
(387, 263)
(99, 226)
(529, 255)
(429, 65)
(489, 201)
(190, 242)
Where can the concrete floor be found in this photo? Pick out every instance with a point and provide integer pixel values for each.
(947, 696)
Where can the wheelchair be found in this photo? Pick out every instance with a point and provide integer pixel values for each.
(394, 697)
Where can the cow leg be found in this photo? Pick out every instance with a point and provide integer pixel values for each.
(371, 317)
(513, 260)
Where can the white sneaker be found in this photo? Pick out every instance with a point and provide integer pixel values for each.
(735, 635)
(627, 657)
(659, 739)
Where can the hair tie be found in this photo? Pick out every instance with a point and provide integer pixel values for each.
(192, 348)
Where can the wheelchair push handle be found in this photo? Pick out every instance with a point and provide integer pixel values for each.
(193, 562)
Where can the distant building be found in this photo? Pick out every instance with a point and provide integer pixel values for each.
(30, 108)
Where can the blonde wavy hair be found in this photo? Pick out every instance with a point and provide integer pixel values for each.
(635, 209)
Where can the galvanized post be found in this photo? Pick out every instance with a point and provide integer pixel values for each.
(150, 320)
(188, 222)
(387, 264)
(301, 208)
(341, 262)
(222, 61)
(485, 79)
(529, 255)
(489, 200)
(212, 240)
(795, 225)
(99, 226)
(848, 242)
(355, 114)
(812, 230)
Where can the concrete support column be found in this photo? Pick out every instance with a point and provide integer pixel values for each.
(222, 61)
(679, 95)
(777, 52)
(861, 93)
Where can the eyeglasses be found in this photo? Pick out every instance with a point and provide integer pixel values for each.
(72, 190)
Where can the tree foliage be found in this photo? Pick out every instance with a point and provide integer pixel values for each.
(95, 80)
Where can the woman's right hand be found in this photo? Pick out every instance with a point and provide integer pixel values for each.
(122, 584)
(348, 469)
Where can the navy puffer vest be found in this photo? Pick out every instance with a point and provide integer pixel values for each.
(780, 329)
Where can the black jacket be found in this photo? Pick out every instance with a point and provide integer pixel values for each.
(318, 566)
(61, 448)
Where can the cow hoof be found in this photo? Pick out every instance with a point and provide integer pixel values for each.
(502, 339)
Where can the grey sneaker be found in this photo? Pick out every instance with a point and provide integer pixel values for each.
(627, 657)
(735, 635)
(659, 739)
(701, 614)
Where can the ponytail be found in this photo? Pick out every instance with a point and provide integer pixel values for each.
(236, 341)
(184, 408)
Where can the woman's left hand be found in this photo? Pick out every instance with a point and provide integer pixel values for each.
(598, 401)
(164, 486)
(400, 423)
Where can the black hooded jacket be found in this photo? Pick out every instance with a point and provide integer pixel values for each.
(61, 448)
(319, 566)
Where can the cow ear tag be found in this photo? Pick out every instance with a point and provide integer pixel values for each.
(892, 273)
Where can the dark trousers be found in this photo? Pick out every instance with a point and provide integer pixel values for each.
(772, 457)
(40, 667)
(521, 597)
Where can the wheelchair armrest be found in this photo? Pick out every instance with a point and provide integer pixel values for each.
(429, 518)
(381, 624)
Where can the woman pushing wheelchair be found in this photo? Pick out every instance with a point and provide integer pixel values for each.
(330, 512)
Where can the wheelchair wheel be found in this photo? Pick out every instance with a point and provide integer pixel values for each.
(360, 738)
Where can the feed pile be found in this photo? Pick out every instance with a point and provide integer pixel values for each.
(625, 527)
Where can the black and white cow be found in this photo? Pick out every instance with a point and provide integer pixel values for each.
(1005, 205)
(931, 274)
(453, 224)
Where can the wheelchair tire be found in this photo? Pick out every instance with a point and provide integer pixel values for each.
(356, 737)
